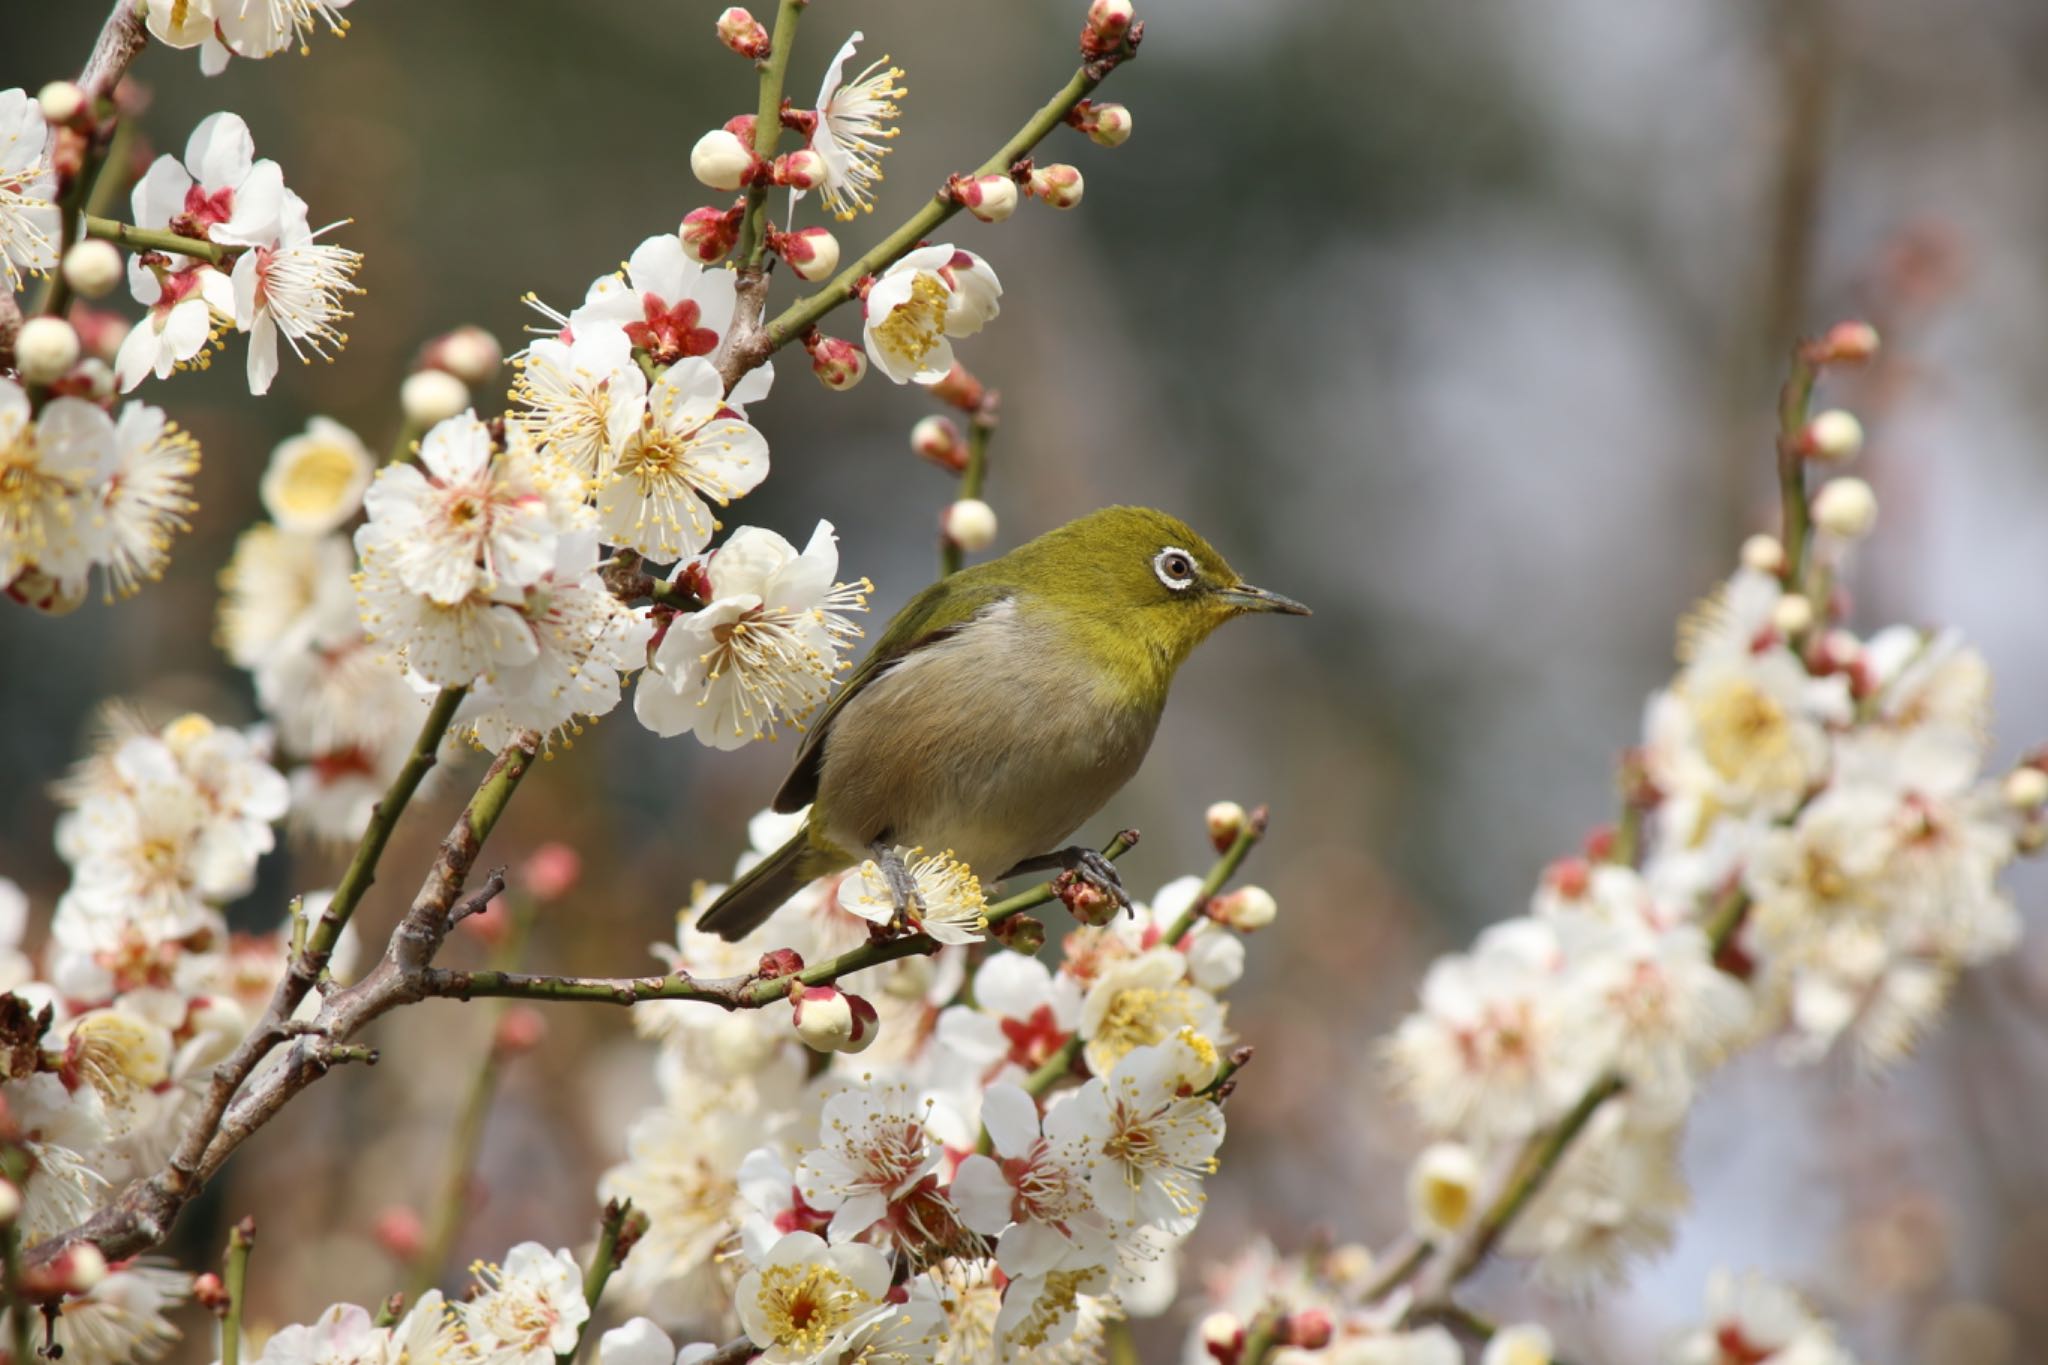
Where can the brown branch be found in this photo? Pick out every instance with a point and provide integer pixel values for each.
(121, 40)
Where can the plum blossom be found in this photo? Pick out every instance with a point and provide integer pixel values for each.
(1755, 1321)
(807, 1299)
(530, 1310)
(920, 303)
(688, 453)
(1032, 1197)
(854, 130)
(292, 286)
(581, 397)
(668, 305)
(949, 905)
(1151, 1137)
(29, 224)
(53, 462)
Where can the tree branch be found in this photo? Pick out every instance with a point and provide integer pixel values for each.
(121, 40)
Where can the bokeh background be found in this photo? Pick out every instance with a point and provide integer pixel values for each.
(1461, 322)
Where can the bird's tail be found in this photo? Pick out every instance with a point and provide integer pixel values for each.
(746, 905)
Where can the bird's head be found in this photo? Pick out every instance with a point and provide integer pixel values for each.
(1148, 580)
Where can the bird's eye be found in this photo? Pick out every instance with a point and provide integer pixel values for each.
(1175, 567)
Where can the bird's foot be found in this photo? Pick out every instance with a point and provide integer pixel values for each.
(1081, 870)
(902, 886)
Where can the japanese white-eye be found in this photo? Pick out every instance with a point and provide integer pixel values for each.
(1001, 709)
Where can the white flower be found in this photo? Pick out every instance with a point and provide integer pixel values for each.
(876, 1159)
(807, 1299)
(1022, 1014)
(682, 1170)
(668, 305)
(1032, 1197)
(273, 582)
(125, 1317)
(220, 192)
(1617, 1195)
(686, 453)
(583, 398)
(315, 480)
(179, 324)
(531, 1310)
(952, 910)
(854, 131)
(155, 858)
(1142, 1001)
(1443, 1189)
(450, 645)
(63, 1130)
(639, 1342)
(764, 649)
(1152, 1137)
(261, 28)
(1525, 1343)
(1754, 1321)
(457, 524)
(932, 294)
(292, 286)
(50, 467)
(348, 1335)
(29, 222)
(145, 497)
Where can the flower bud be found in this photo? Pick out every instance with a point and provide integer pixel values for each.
(991, 198)
(211, 1293)
(779, 962)
(1443, 1190)
(812, 252)
(2026, 788)
(1348, 1265)
(1247, 909)
(1222, 1334)
(1835, 436)
(491, 925)
(551, 871)
(1059, 185)
(1792, 616)
(469, 353)
(100, 331)
(709, 233)
(10, 1202)
(1226, 821)
(721, 161)
(520, 1030)
(400, 1231)
(802, 169)
(969, 523)
(938, 439)
(77, 1269)
(44, 349)
(1086, 902)
(1763, 554)
(1848, 343)
(743, 33)
(1308, 1329)
(867, 1025)
(741, 126)
(1846, 508)
(61, 102)
(824, 1018)
(430, 396)
(1109, 20)
(92, 268)
(51, 596)
(960, 388)
(1108, 125)
(838, 363)
(1524, 1343)
(1019, 933)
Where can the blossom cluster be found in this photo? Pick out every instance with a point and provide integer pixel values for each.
(226, 29)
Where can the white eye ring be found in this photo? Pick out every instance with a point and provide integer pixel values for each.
(1175, 568)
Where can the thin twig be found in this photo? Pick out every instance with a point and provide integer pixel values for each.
(241, 1240)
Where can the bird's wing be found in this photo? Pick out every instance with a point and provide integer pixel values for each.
(933, 615)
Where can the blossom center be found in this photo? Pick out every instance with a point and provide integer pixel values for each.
(914, 326)
(806, 1305)
(669, 334)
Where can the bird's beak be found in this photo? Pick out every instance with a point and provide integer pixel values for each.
(1245, 597)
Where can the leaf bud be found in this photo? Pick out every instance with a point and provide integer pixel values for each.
(1247, 909)
(802, 169)
(469, 353)
(1059, 185)
(938, 439)
(991, 198)
(709, 233)
(1846, 508)
(812, 252)
(1835, 436)
(44, 349)
(520, 1030)
(969, 523)
(721, 161)
(1226, 821)
(2026, 788)
(743, 33)
(1443, 1190)
(400, 1231)
(430, 396)
(61, 102)
(1792, 616)
(1108, 125)
(1763, 554)
(92, 267)
(1848, 343)
(960, 388)
(839, 364)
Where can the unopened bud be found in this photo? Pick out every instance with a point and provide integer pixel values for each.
(991, 198)
(1348, 1265)
(44, 349)
(743, 33)
(10, 1202)
(1525, 1343)
(838, 363)
(1059, 185)
(210, 1293)
(1568, 878)
(829, 1020)
(469, 353)
(2026, 788)
(1108, 125)
(61, 102)
(92, 268)
(969, 523)
(1226, 821)
(709, 233)
(520, 1030)
(1835, 436)
(77, 1269)
(1792, 616)
(100, 331)
(1309, 1329)
(938, 439)
(721, 161)
(1109, 20)
(741, 126)
(960, 388)
(400, 1231)
(1222, 1334)
(1846, 508)
(1085, 901)
(490, 925)
(1848, 343)
(1443, 1189)
(430, 396)
(1763, 554)
(1019, 933)
(43, 592)
(1247, 909)
(551, 871)
(779, 962)
(812, 252)
(802, 169)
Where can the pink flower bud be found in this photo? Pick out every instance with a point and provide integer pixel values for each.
(1109, 20)
(1568, 878)
(839, 364)
(721, 161)
(469, 353)
(1834, 435)
(709, 233)
(1247, 909)
(991, 198)
(210, 1293)
(824, 1018)
(61, 102)
(743, 33)
(400, 1232)
(10, 1202)
(867, 1025)
(812, 252)
(1222, 1337)
(780, 962)
(1848, 343)
(741, 126)
(1308, 1329)
(1058, 185)
(77, 1269)
(969, 523)
(937, 439)
(490, 925)
(1226, 821)
(100, 331)
(1086, 902)
(959, 387)
(520, 1030)
(1108, 125)
(802, 169)
(551, 871)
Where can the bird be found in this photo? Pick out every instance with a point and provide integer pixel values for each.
(1002, 707)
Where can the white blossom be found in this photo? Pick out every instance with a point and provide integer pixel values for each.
(920, 303)
(30, 227)
(854, 130)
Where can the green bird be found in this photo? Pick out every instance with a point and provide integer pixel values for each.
(1001, 709)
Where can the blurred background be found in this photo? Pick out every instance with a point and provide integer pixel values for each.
(1462, 323)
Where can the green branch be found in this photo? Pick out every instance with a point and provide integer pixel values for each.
(1224, 869)
(753, 243)
(241, 1239)
(1794, 401)
(979, 428)
(157, 239)
(619, 1229)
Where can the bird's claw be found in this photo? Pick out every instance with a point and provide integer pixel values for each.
(1099, 872)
